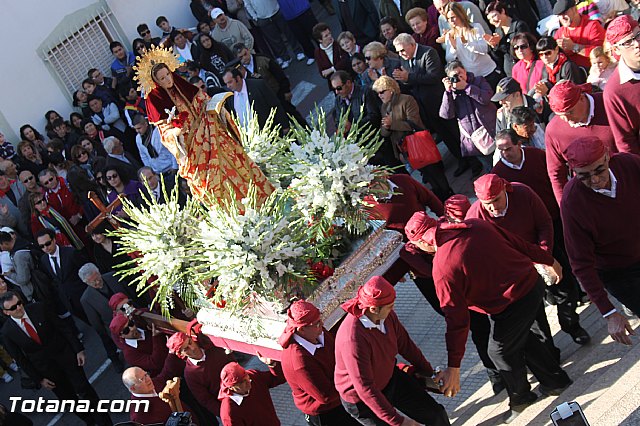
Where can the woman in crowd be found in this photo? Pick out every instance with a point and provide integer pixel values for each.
(400, 117)
(50, 116)
(31, 158)
(106, 250)
(328, 55)
(528, 70)
(348, 44)
(389, 30)
(96, 135)
(95, 150)
(465, 42)
(214, 56)
(81, 184)
(500, 42)
(75, 120)
(359, 67)
(44, 216)
(423, 33)
(601, 68)
(60, 165)
(80, 100)
(28, 133)
(138, 47)
(120, 185)
(379, 60)
(81, 158)
(556, 66)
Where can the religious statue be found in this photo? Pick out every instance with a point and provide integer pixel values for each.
(203, 138)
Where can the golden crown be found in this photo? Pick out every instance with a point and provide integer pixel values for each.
(154, 55)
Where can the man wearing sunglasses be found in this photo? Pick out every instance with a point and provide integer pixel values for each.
(622, 93)
(48, 352)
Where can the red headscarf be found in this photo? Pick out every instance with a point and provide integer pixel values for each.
(566, 94)
(585, 151)
(376, 292)
(117, 299)
(232, 374)
(175, 342)
(158, 99)
(118, 322)
(300, 314)
(489, 186)
(418, 225)
(619, 28)
(456, 207)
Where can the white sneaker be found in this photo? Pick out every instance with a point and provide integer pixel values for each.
(286, 64)
(310, 61)
(300, 56)
(279, 61)
(14, 366)
(7, 378)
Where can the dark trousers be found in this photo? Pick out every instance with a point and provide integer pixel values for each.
(520, 330)
(624, 285)
(565, 293)
(301, 28)
(273, 29)
(434, 175)
(110, 348)
(405, 393)
(335, 417)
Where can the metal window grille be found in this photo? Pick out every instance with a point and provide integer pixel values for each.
(83, 48)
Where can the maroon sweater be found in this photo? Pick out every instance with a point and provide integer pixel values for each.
(365, 359)
(559, 135)
(203, 379)
(526, 217)
(621, 102)
(412, 197)
(484, 268)
(534, 175)
(600, 232)
(311, 376)
(150, 354)
(257, 408)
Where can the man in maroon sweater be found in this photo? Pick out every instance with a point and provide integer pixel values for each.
(485, 268)
(369, 383)
(517, 208)
(578, 114)
(308, 361)
(244, 395)
(203, 363)
(600, 209)
(622, 92)
(528, 165)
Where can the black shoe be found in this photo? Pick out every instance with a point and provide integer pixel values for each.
(545, 391)
(580, 335)
(516, 410)
(463, 166)
(497, 384)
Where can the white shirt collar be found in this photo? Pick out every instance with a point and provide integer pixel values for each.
(513, 166)
(387, 197)
(370, 324)
(19, 322)
(504, 212)
(198, 361)
(310, 347)
(134, 342)
(592, 108)
(626, 74)
(56, 253)
(614, 185)
(145, 395)
(237, 398)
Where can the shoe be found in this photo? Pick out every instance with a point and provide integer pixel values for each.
(310, 61)
(497, 384)
(580, 335)
(300, 56)
(545, 391)
(7, 378)
(628, 312)
(285, 64)
(279, 61)
(463, 166)
(14, 366)
(516, 410)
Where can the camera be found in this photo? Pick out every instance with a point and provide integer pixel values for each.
(179, 419)
(454, 79)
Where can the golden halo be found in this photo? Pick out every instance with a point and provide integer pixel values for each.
(154, 55)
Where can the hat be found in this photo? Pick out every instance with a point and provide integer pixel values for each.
(7, 230)
(118, 322)
(565, 95)
(585, 151)
(300, 314)
(456, 207)
(418, 225)
(375, 292)
(117, 299)
(216, 12)
(562, 6)
(506, 86)
(489, 186)
(619, 28)
(175, 342)
(232, 374)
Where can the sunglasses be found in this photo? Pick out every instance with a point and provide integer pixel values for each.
(111, 177)
(30, 178)
(48, 181)
(41, 200)
(546, 53)
(79, 156)
(337, 89)
(14, 307)
(128, 328)
(100, 177)
(144, 33)
(368, 58)
(46, 244)
(382, 91)
(521, 47)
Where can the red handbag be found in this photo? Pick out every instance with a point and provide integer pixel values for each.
(421, 149)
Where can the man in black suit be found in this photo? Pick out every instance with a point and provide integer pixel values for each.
(256, 93)
(117, 156)
(364, 103)
(62, 265)
(360, 17)
(421, 76)
(48, 352)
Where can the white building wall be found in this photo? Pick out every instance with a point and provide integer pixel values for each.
(27, 87)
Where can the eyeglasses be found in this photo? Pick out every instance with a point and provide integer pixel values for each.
(337, 89)
(111, 177)
(46, 244)
(48, 181)
(14, 307)
(521, 47)
(142, 379)
(546, 53)
(585, 177)
(128, 328)
(628, 43)
(144, 33)
(30, 178)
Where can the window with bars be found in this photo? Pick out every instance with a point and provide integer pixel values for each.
(82, 47)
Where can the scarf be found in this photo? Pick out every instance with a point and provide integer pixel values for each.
(146, 141)
(553, 72)
(67, 230)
